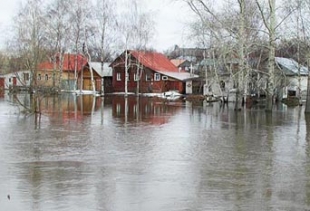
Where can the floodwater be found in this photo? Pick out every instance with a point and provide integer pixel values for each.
(117, 154)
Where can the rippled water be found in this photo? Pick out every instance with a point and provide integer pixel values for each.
(120, 154)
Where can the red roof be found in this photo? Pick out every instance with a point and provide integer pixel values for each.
(68, 63)
(155, 61)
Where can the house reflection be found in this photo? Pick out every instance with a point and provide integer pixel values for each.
(143, 109)
(70, 106)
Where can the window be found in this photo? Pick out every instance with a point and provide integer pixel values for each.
(118, 76)
(157, 77)
(46, 77)
(164, 78)
(39, 77)
(135, 77)
(26, 76)
(148, 77)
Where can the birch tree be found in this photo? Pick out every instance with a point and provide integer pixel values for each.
(233, 26)
(135, 32)
(270, 23)
(30, 42)
(80, 12)
(57, 33)
(104, 16)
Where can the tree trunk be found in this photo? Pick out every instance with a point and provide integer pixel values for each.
(126, 72)
(307, 109)
(271, 62)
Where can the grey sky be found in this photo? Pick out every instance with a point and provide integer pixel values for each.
(170, 17)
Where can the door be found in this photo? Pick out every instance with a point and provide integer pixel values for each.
(14, 81)
(87, 84)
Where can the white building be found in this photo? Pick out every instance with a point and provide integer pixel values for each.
(19, 78)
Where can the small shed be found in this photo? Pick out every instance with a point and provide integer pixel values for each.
(295, 77)
(105, 72)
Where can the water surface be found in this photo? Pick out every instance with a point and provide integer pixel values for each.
(120, 154)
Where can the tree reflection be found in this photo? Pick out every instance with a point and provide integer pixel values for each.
(307, 167)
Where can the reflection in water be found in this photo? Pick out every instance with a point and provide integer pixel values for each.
(144, 109)
(117, 153)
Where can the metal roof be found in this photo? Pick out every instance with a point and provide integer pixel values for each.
(155, 61)
(182, 76)
(290, 66)
(107, 70)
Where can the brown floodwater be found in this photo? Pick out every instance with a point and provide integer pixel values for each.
(130, 154)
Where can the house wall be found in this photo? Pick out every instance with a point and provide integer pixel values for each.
(2, 84)
(108, 88)
(50, 78)
(20, 78)
(148, 82)
(47, 78)
(292, 84)
(85, 77)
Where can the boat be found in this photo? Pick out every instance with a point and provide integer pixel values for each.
(171, 95)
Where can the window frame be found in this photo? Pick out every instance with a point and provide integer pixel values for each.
(148, 77)
(156, 76)
(118, 76)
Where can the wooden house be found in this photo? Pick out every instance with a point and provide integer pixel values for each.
(104, 71)
(55, 73)
(84, 78)
(148, 72)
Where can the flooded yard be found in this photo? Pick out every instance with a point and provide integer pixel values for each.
(129, 154)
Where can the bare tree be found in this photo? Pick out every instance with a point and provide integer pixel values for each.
(134, 26)
(57, 33)
(30, 43)
(104, 16)
(233, 26)
(80, 14)
(269, 19)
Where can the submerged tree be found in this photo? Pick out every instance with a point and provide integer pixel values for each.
(270, 25)
(30, 43)
(58, 34)
(235, 28)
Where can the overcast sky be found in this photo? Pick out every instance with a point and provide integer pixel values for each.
(170, 17)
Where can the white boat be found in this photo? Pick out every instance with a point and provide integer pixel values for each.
(171, 95)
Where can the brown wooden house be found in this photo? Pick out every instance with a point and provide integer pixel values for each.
(148, 72)
(84, 79)
(102, 76)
